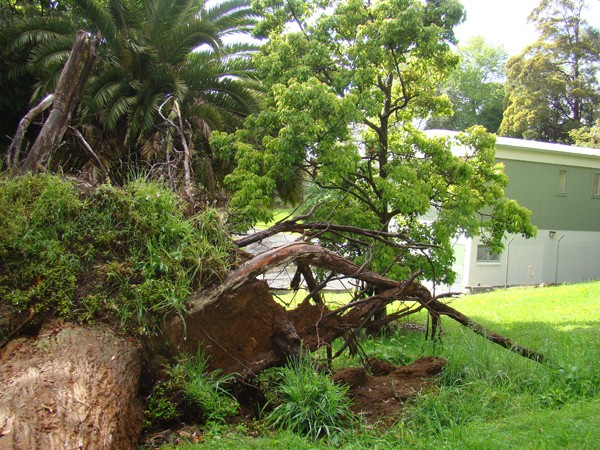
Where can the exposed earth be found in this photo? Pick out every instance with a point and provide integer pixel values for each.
(380, 397)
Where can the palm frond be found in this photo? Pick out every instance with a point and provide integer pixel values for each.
(99, 19)
(30, 32)
(184, 38)
(143, 115)
(105, 96)
(232, 15)
(119, 109)
(49, 56)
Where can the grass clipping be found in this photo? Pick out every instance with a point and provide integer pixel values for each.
(126, 255)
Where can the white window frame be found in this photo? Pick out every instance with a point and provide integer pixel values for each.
(490, 258)
(596, 185)
(562, 182)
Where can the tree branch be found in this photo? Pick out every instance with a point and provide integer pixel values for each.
(14, 151)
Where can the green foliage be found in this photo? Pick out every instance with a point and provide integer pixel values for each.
(587, 136)
(127, 255)
(311, 403)
(161, 408)
(552, 87)
(336, 130)
(205, 389)
(190, 393)
(475, 88)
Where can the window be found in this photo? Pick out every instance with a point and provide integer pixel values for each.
(562, 182)
(484, 254)
(596, 185)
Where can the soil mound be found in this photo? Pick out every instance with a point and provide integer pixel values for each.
(380, 397)
(244, 332)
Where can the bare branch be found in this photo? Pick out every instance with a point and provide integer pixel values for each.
(14, 151)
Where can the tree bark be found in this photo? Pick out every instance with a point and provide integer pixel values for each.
(71, 387)
(70, 85)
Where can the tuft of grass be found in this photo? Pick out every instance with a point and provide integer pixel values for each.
(203, 388)
(311, 404)
(191, 393)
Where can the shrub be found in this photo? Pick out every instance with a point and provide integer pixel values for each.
(311, 403)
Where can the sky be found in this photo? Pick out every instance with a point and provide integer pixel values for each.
(504, 22)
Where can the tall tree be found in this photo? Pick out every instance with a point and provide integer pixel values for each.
(346, 81)
(552, 87)
(587, 136)
(475, 88)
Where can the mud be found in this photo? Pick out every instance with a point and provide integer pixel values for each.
(380, 397)
(243, 333)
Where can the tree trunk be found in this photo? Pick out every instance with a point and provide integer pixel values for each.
(71, 387)
(70, 85)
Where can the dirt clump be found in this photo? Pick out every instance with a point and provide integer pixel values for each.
(315, 325)
(244, 332)
(380, 397)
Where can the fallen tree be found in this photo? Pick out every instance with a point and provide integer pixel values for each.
(211, 312)
(233, 317)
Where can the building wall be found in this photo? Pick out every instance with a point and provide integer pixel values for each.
(535, 185)
(567, 246)
(554, 256)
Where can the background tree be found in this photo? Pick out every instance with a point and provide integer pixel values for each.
(587, 136)
(343, 92)
(475, 88)
(552, 87)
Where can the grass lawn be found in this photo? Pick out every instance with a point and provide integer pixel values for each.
(278, 215)
(489, 397)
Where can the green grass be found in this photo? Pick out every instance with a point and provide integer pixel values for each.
(489, 397)
(310, 403)
(278, 215)
(333, 299)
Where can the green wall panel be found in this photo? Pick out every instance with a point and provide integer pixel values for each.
(536, 185)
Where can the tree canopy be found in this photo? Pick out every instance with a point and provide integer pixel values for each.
(345, 82)
(475, 88)
(552, 86)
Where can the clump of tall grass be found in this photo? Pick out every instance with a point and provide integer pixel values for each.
(311, 404)
(192, 393)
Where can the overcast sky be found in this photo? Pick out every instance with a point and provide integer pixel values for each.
(505, 22)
